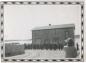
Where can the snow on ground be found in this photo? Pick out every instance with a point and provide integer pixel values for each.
(43, 54)
(40, 54)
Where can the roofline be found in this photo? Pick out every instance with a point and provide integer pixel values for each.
(53, 27)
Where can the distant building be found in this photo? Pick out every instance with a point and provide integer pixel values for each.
(77, 36)
(52, 34)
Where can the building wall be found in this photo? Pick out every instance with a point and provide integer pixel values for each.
(51, 36)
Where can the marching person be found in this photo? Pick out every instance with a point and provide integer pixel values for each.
(77, 47)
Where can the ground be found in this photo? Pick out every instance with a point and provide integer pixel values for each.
(40, 54)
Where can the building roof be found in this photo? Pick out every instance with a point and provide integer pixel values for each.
(54, 26)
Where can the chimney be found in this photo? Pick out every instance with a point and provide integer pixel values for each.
(49, 24)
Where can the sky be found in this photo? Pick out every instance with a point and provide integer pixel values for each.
(19, 20)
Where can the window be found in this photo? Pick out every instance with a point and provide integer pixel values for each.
(38, 41)
(55, 40)
(66, 34)
(46, 41)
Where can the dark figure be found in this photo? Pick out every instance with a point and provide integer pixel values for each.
(59, 46)
(70, 50)
(77, 46)
(62, 46)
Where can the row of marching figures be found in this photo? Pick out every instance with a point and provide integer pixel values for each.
(69, 47)
(44, 46)
(59, 45)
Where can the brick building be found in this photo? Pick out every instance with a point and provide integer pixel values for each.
(52, 34)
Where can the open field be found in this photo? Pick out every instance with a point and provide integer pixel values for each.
(40, 54)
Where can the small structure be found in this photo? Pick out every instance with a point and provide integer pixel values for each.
(13, 49)
(52, 34)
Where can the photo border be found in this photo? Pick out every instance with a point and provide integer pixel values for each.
(81, 3)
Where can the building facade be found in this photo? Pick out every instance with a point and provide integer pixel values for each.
(52, 34)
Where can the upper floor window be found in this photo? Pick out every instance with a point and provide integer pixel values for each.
(66, 34)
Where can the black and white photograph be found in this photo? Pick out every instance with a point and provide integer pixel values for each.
(42, 30)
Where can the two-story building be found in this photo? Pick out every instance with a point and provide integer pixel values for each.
(52, 34)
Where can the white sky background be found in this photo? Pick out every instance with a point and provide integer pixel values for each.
(20, 19)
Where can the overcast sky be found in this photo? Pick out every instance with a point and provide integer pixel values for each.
(20, 19)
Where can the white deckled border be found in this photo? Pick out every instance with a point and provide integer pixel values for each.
(42, 2)
(81, 3)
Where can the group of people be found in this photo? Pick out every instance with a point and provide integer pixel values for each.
(70, 50)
